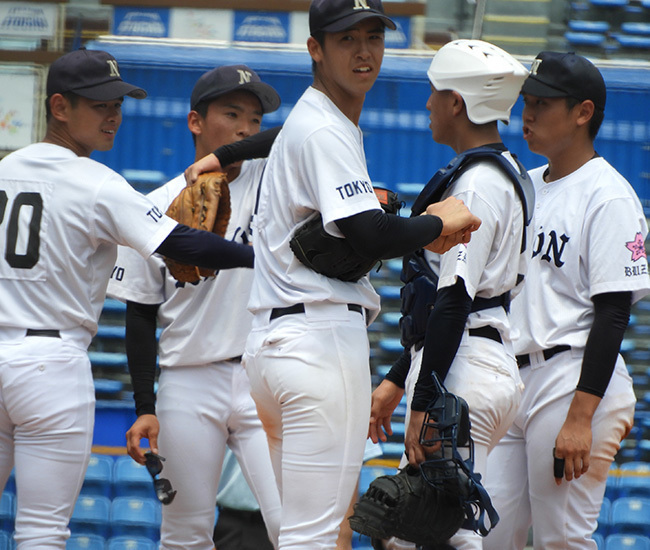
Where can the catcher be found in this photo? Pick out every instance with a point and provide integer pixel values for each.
(428, 504)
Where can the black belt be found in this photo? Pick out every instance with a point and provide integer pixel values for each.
(524, 360)
(48, 333)
(487, 332)
(300, 308)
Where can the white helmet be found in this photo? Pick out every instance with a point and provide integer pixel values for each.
(488, 78)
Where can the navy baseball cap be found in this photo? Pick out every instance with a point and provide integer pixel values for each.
(338, 15)
(230, 78)
(555, 74)
(89, 73)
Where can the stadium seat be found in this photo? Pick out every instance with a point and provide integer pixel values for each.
(600, 541)
(131, 543)
(86, 542)
(604, 518)
(369, 473)
(634, 480)
(131, 479)
(611, 488)
(91, 516)
(7, 511)
(630, 515)
(99, 476)
(107, 359)
(392, 449)
(5, 541)
(627, 542)
(134, 516)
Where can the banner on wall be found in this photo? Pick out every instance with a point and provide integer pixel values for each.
(201, 24)
(19, 90)
(149, 22)
(252, 26)
(27, 20)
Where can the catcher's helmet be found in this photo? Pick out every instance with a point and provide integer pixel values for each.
(488, 78)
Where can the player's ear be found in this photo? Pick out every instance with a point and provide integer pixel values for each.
(315, 49)
(458, 103)
(59, 107)
(584, 112)
(195, 123)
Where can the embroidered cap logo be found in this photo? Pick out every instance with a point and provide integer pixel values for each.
(244, 76)
(535, 66)
(361, 5)
(113, 68)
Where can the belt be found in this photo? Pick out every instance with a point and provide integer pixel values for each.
(47, 333)
(524, 360)
(487, 332)
(300, 308)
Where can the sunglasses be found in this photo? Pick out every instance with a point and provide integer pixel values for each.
(163, 487)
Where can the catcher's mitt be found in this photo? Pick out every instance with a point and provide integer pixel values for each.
(333, 256)
(203, 205)
(405, 506)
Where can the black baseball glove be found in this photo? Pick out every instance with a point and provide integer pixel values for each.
(333, 256)
(406, 506)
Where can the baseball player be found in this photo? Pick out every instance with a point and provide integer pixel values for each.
(588, 267)
(203, 403)
(307, 355)
(455, 318)
(62, 216)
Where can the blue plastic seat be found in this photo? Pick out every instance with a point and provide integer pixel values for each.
(91, 516)
(627, 542)
(391, 345)
(584, 38)
(604, 518)
(5, 541)
(131, 543)
(107, 359)
(86, 542)
(389, 292)
(99, 476)
(581, 25)
(634, 480)
(7, 511)
(599, 540)
(630, 515)
(131, 479)
(134, 516)
(369, 473)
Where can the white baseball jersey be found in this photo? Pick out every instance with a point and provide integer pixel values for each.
(491, 262)
(61, 217)
(301, 180)
(190, 313)
(592, 242)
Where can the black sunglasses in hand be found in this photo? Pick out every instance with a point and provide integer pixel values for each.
(163, 487)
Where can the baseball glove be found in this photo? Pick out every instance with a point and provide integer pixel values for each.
(333, 256)
(405, 506)
(203, 205)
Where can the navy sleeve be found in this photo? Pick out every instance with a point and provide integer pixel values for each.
(205, 249)
(611, 317)
(253, 147)
(400, 369)
(375, 234)
(445, 328)
(141, 354)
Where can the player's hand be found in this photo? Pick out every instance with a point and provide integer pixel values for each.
(573, 443)
(446, 242)
(209, 163)
(146, 426)
(416, 453)
(456, 218)
(384, 401)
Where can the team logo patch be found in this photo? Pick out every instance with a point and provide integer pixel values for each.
(637, 247)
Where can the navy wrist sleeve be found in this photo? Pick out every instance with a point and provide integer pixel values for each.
(141, 354)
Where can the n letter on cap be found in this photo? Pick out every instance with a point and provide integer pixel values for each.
(244, 76)
(360, 5)
(113, 68)
(535, 65)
